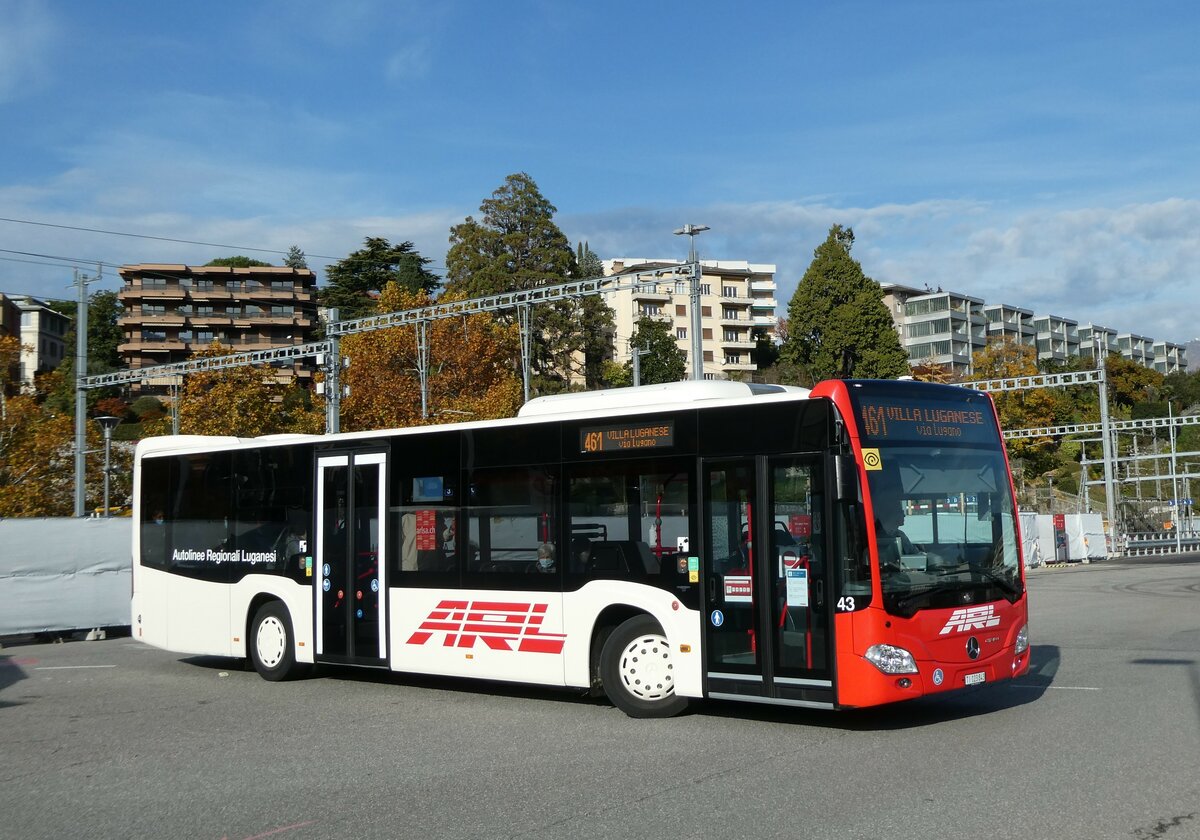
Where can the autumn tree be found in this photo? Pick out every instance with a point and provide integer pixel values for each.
(1005, 358)
(355, 280)
(37, 461)
(515, 245)
(1130, 383)
(838, 312)
(244, 401)
(470, 374)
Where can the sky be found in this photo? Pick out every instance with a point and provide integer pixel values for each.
(1041, 154)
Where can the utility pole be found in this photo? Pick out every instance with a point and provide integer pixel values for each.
(333, 377)
(81, 345)
(690, 232)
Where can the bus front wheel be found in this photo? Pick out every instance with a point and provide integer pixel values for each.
(637, 671)
(271, 647)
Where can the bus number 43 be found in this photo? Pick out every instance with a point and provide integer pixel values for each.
(845, 604)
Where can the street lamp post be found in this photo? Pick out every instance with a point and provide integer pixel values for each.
(690, 232)
(107, 423)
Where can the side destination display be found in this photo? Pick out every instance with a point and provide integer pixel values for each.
(657, 434)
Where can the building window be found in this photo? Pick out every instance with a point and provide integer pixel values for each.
(729, 291)
(733, 359)
(705, 311)
(650, 309)
(680, 309)
(154, 335)
(708, 356)
(681, 333)
(706, 334)
(705, 289)
(731, 335)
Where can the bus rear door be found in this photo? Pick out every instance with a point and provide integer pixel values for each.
(768, 627)
(350, 589)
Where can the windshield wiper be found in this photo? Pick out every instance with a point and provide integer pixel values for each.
(995, 577)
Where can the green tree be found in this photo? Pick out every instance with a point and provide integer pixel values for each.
(838, 310)
(516, 245)
(295, 258)
(355, 279)
(596, 321)
(664, 362)
(238, 261)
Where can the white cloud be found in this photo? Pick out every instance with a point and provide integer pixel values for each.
(26, 33)
(1132, 268)
(409, 62)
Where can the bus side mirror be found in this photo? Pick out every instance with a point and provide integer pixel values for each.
(845, 473)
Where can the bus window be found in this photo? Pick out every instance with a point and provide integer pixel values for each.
(630, 520)
(273, 490)
(427, 527)
(199, 516)
(511, 525)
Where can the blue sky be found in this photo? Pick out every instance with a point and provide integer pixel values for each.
(1042, 154)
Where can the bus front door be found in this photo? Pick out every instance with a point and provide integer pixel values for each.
(350, 590)
(768, 626)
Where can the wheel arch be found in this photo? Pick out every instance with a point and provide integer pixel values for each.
(606, 621)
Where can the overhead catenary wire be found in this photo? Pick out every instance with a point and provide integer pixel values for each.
(181, 241)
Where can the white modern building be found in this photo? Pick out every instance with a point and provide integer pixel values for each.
(737, 303)
(946, 328)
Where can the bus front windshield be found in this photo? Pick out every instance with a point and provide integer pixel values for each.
(944, 527)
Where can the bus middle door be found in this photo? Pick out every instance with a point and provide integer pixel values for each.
(768, 626)
(350, 590)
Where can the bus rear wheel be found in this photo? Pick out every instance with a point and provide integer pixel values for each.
(637, 671)
(271, 645)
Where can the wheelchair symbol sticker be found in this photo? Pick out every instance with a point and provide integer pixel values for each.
(717, 618)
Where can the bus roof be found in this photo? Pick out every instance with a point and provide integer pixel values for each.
(668, 395)
(588, 404)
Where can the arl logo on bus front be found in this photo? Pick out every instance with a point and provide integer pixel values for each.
(500, 625)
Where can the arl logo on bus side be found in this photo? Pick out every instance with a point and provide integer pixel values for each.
(500, 625)
(970, 618)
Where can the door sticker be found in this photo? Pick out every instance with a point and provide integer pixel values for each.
(717, 618)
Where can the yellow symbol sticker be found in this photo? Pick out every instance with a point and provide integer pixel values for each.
(871, 459)
(693, 576)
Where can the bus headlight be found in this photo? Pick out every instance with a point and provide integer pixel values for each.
(1022, 640)
(891, 659)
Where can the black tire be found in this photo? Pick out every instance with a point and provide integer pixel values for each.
(637, 671)
(272, 644)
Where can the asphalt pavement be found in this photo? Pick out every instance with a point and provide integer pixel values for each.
(1101, 740)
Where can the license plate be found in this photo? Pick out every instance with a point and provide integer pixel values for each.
(974, 679)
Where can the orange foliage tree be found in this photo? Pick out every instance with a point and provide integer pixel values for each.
(1004, 358)
(37, 459)
(471, 370)
(242, 401)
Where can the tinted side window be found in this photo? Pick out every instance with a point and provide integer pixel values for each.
(158, 474)
(511, 528)
(632, 520)
(199, 516)
(273, 490)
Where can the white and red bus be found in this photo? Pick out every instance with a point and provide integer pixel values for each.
(655, 544)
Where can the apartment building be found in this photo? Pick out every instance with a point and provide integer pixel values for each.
(171, 311)
(737, 301)
(945, 328)
(42, 332)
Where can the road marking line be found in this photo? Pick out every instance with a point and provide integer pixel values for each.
(1059, 687)
(69, 667)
